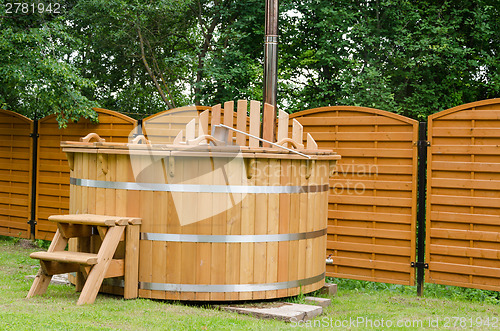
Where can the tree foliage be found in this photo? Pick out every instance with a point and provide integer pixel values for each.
(409, 57)
(233, 66)
(36, 76)
(148, 56)
(136, 50)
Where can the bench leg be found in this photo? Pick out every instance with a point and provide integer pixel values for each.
(98, 271)
(40, 284)
(82, 245)
(42, 279)
(131, 277)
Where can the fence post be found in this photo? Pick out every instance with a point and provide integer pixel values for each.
(32, 221)
(139, 127)
(421, 219)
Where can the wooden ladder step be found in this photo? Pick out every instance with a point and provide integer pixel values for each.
(91, 219)
(66, 257)
(93, 267)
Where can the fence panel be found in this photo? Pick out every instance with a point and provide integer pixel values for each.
(463, 196)
(163, 127)
(373, 196)
(15, 174)
(53, 169)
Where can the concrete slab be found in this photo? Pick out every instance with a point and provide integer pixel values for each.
(309, 310)
(329, 289)
(286, 311)
(323, 302)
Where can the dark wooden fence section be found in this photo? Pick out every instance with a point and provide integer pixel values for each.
(373, 196)
(463, 196)
(15, 174)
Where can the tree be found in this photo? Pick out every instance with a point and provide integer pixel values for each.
(409, 57)
(148, 56)
(231, 50)
(314, 53)
(138, 52)
(36, 76)
(178, 52)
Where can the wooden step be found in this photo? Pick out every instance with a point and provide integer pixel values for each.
(91, 219)
(94, 267)
(66, 257)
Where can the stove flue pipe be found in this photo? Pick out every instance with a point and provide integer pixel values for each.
(271, 60)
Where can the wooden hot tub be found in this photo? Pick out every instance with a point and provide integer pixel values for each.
(217, 223)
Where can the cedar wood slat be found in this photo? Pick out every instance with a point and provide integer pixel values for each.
(466, 183)
(369, 216)
(465, 251)
(363, 248)
(465, 218)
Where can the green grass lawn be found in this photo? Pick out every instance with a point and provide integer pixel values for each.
(358, 306)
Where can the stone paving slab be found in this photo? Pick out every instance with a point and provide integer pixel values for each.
(329, 289)
(286, 311)
(323, 302)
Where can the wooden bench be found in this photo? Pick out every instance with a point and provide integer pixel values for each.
(91, 268)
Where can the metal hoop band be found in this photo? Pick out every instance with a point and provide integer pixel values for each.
(257, 238)
(190, 188)
(229, 287)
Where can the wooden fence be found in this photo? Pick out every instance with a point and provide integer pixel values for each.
(463, 196)
(15, 173)
(161, 128)
(52, 172)
(373, 196)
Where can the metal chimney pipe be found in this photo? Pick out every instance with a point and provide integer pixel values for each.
(271, 59)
